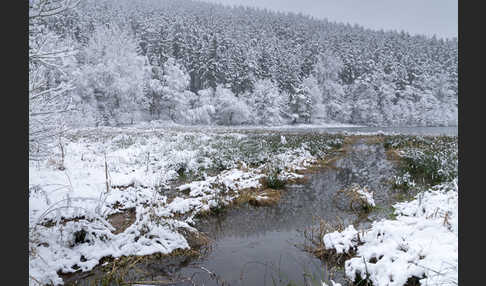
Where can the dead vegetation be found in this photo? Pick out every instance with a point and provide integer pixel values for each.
(265, 198)
(375, 139)
(122, 220)
(314, 242)
(259, 197)
(357, 202)
(121, 270)
(393, 155)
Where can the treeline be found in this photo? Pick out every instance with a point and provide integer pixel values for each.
(199, 63)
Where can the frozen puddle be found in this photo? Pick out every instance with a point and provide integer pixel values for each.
(257, 245)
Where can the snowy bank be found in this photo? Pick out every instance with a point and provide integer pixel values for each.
(421, 243)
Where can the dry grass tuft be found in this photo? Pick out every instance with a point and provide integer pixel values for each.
(299, 180)
(357, 202)
(375, 139)
(121, 221)
(195, 239)
(314, 243)
(265, 198)
(393, 155)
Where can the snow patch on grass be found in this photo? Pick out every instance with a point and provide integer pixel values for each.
(367, 196)
(342, 241)
(332, 283)
(421, 242)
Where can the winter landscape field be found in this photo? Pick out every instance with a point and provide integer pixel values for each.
(191, 143)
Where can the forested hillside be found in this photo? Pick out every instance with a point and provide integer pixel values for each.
(198, 63)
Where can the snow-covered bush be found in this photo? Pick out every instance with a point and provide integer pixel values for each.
(201, 108)
(342, 241)
(359, 198)
(229, 109)
(299, 105)
(404, 181)
(267, 103)
(317, 108)
(175, 81)
(109, 80)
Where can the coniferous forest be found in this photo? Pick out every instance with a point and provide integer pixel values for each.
(199, 63)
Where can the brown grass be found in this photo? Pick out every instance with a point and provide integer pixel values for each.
(265, 198)
(314, 244)
(375, 139)
(330, 163)
(350, 140)
(356, 202)
(259, 197)
(301, 180)
(121, 221)
(324, 163)
(393, 155)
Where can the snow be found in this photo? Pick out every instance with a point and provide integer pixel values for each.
(86, 69)
(421, 242)
(142, 238)
(332, 283)
(367, 196)
(342, 241)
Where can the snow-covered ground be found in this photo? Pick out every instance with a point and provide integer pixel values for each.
(99, 172)
(422, 242)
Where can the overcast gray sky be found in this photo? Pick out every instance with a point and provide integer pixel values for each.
(414, 16)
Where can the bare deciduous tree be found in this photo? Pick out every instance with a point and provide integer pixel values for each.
(48, 82)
